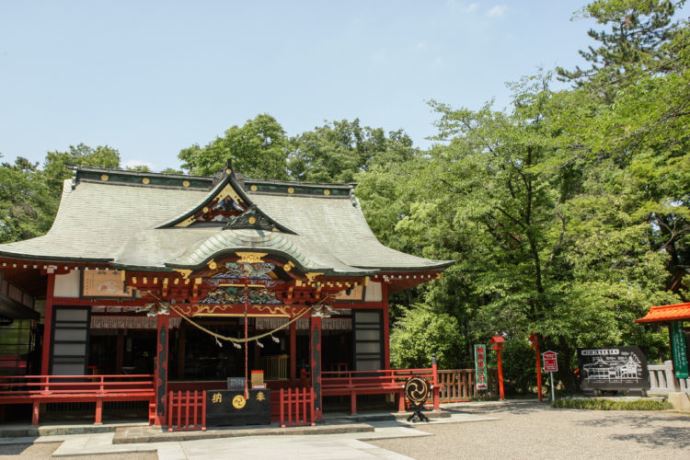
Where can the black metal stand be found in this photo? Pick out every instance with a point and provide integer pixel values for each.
(417, 413)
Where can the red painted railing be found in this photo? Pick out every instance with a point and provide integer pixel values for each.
(352, 383)
(42, 389)
(59, 385)
(296, 407)
(186, 410)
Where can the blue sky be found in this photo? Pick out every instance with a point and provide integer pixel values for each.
(152, 77)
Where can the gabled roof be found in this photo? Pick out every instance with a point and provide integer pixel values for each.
(665, 313)
(155, 221)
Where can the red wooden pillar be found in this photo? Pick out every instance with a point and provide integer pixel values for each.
(161, 371)
(293, 351)
(47, 325)
(497, 342)
(534, 340)
(315, 359)
(501, 393)
(386, 328)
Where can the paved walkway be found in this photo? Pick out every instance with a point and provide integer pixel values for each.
(534, 431)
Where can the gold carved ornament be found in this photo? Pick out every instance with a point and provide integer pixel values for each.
(238, 402)
(250, 257)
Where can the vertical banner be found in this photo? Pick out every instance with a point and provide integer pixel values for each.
(480, 373)
(679, 350)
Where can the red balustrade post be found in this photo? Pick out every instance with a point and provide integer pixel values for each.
(311, 404)
(170, 412)
(186, 411)
(98, 419)
(305, 397)
(434, 373)
(203, 411)
(179, 409)
(196, 409)
(35, 413)
(289, 406)
(282, 408)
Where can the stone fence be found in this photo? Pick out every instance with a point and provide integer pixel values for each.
(662, 379)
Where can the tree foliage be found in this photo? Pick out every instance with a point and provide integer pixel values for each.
(258, 149)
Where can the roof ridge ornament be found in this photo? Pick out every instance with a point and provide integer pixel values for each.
(253, 219)
(227, 204)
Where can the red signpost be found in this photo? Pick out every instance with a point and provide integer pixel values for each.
(551, 366)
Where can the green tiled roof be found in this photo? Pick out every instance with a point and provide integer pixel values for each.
(118, 217)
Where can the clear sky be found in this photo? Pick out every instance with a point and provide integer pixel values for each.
(152, 77)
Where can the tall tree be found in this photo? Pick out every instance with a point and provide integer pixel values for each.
(632, 41)
(257, 149)
(338, 151)
(57, 165)
(27, 205)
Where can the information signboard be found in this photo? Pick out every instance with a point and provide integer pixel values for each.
(480, 373)
(550, 359)
(679, 350)
(614, 368)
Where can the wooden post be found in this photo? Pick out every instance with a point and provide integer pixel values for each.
(539, 383)
(47, 325)
(161, 371)
(293, 352)
(119, 352)
(501, 393)
(181, 350)
(534, 342)
(98, 419)
(386, 328)
(436, 391)
(315, 355)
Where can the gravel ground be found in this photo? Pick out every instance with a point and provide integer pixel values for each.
(44, 450)
(533, 431)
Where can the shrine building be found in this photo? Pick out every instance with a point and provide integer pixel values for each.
(150, 284)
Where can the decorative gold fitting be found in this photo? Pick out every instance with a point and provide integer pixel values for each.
(251, 257)
(184, 272)
(288, 266)
(311, 276)
(212, 264)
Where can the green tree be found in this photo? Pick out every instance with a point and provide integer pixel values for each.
(27, 206)
(257, 149)
(633, 40)
(422, 334)
(338, 151)
(57, 165)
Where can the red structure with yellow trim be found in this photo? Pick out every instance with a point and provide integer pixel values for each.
(149, 284)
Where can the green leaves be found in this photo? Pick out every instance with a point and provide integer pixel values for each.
(257, 149)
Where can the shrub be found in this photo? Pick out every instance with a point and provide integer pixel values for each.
(611, 404)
